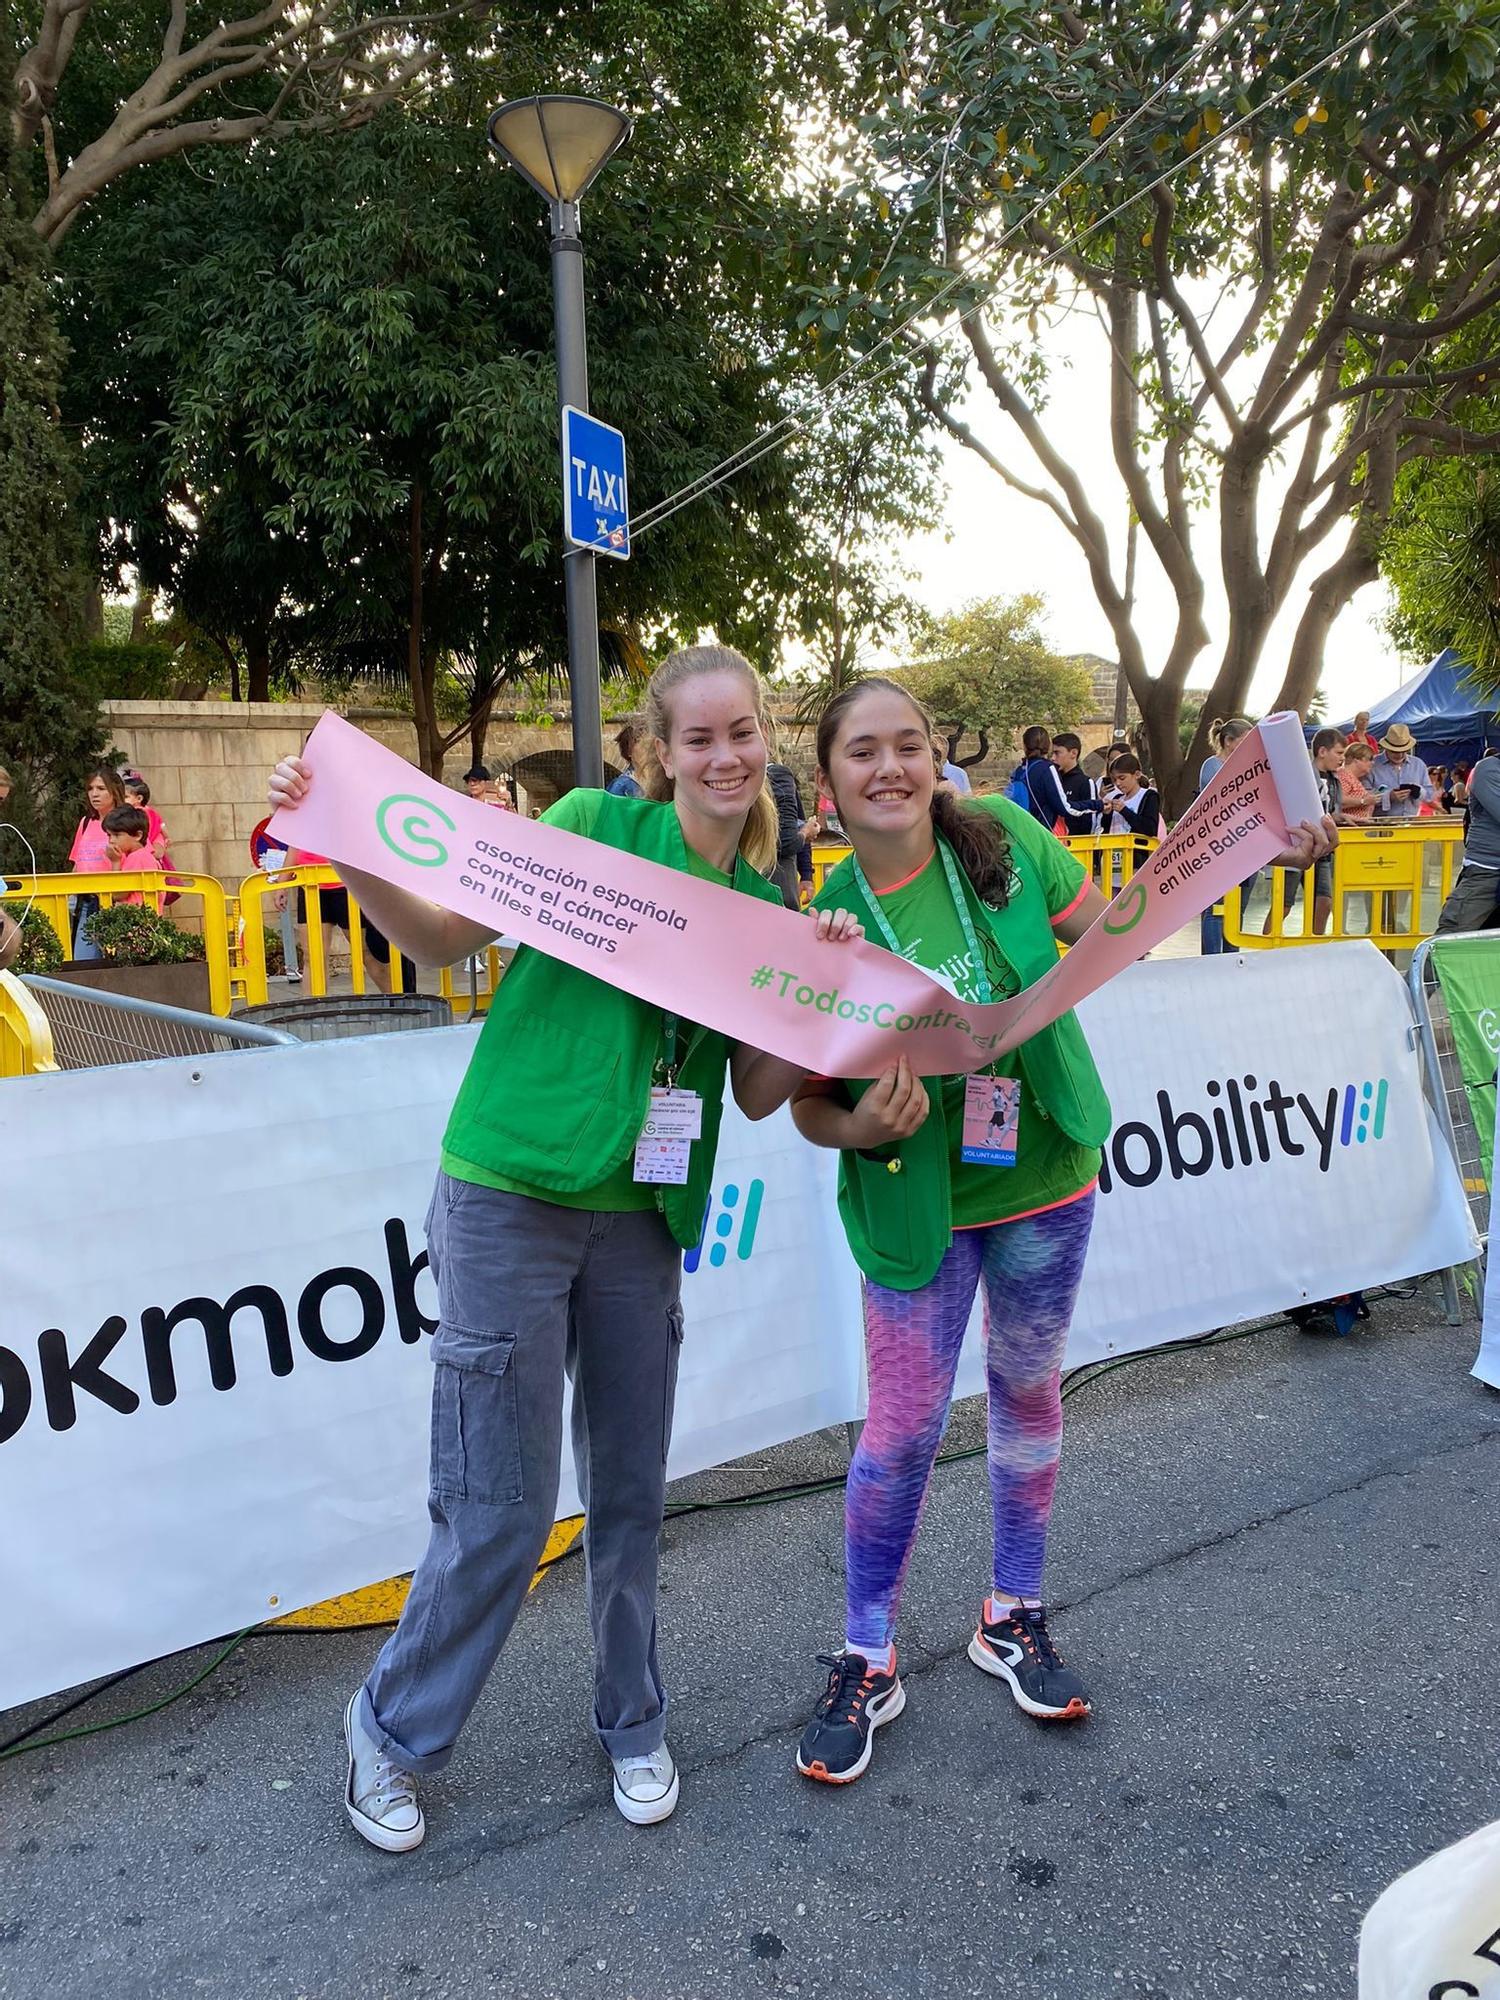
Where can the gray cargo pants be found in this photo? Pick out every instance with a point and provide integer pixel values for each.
(525, 1290)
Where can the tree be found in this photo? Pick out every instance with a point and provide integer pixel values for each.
(869, 479)
(1278, 309)
(989, 669)
(194, 80)
(49, 729)
(1442, 561)
(318, 395)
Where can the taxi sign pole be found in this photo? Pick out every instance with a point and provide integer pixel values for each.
(578, 563)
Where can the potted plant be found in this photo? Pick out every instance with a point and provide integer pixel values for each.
(145, 956)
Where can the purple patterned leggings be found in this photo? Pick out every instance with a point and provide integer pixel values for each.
(1030, 1270)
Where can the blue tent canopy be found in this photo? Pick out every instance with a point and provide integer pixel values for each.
(1449, 717)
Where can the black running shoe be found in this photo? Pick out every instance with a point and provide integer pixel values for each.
(1018, 1649)
(835, 1746)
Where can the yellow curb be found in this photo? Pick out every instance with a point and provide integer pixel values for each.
(380, 1603)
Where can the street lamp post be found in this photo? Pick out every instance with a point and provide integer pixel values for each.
(560, 144)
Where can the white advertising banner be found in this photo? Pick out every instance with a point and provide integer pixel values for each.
(213, 1369)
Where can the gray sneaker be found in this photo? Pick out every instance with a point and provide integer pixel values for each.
(379, 1796)
(646, 1788)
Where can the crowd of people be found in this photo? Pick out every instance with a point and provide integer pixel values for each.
(1364, 781)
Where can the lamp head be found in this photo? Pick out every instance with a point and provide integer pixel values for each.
(559, 144)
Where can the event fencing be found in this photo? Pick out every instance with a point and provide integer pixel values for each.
(91, 1029)
(197, 903)
(267, 1363)
(1455, 992)
(1388, 884)
(468, 988)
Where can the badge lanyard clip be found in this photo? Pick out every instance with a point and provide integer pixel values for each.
(664, 1075)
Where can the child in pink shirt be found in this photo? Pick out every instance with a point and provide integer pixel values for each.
(129, 850)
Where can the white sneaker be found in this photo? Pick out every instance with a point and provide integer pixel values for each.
(646, 1788)
(379, 1796)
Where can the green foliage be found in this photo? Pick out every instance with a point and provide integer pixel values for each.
(1442, 561)
(340, 359)
(1187, 721)
(41, 948)
(275, 953)
(132, 934)
(129, 671)
(49, 730)
(989, 669)
(1272, 323)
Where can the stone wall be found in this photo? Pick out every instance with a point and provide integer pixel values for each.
(207, 763)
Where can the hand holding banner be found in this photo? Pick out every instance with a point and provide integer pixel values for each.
(755, 972)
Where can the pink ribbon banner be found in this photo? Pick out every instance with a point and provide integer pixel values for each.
(758, 973)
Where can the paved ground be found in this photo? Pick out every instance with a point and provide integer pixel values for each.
(1275, 1560)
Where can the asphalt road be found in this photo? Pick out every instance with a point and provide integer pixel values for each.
(1274, 1560)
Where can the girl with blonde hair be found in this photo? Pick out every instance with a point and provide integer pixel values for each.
(555, 1255)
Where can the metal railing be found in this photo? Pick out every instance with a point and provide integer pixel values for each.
(468, 988)
(201, 906)
(82, 1027)
(1111, 858)
(1447, 1084)
(1387, 884)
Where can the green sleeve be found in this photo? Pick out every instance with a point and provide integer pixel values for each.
(575, 812)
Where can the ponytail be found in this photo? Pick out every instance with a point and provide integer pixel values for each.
(980, 845)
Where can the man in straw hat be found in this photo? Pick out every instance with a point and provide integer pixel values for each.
(1399, 776)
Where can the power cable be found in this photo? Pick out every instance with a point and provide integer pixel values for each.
(781, 433)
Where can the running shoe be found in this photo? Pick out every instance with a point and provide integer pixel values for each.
(379, 1796)
(836, 1744)
(647, 1788)
(1019, 1649)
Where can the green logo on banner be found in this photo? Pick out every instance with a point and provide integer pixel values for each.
(413, 839)
(1128, 912)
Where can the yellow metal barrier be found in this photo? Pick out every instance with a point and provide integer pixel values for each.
(25, 1032)
(1388, 884)
(826, 855)
(201, 897)
(1111, 858)
(257, 914)
(259, 889)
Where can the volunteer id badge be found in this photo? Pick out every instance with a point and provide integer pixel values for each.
(992, 1120)
(665, 1146)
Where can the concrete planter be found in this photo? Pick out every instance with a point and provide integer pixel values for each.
(164, 985)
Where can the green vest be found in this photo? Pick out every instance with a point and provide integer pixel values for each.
(559, 1085)
(895, 1202)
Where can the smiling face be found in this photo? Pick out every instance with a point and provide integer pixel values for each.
(715, 753)
(879, 770)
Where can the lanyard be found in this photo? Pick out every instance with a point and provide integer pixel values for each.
(666, 1067)
(986, 992)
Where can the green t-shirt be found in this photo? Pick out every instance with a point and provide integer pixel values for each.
(617, 1193)
(1049, 1166)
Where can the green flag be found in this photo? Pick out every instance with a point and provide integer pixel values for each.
(1469, 974)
